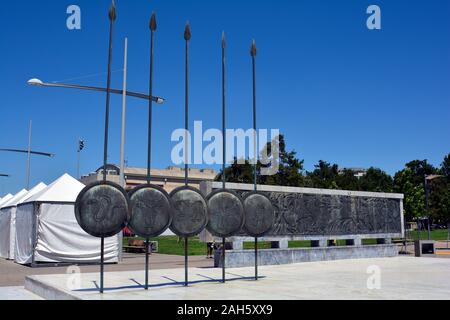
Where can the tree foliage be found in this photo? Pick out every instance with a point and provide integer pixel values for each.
(409, 181)
(290, 167)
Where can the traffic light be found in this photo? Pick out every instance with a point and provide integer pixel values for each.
(81, 145)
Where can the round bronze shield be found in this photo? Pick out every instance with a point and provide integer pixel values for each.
(102, 209)
(190, 214)
(151, 211)
(226, 213)
(259, 214)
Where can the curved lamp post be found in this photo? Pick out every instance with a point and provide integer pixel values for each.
(49, 155)
(159, 100)
(29, 152)
(39, 83)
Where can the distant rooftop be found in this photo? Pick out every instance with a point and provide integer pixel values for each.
(170, 172)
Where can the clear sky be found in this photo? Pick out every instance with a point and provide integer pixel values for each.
(338, 91)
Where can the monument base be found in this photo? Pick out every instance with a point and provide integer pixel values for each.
(269, 257)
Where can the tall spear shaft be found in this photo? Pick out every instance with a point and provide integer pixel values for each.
(153, 27)
(224, 149)
(253, 53)
(187, 38)
(112, 18)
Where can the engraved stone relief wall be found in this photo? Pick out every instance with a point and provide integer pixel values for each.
(332, 215)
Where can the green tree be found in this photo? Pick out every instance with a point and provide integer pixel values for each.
(414, 202)
(439, 194)
(410, 182)
(346, 180)
(376, 180)
(238, 173)
(445, 167)
(289, 174)
(325, 176)
(419, 169)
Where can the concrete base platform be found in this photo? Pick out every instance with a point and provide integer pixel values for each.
(271, 257)
(17, 294)
(383, 278)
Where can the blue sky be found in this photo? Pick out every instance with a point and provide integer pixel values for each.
(338, 91)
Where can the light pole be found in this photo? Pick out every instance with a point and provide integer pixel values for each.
(124, 92)
(39, 83)
(29, 152)
(30, 133)
(426, 180)
(124, 112)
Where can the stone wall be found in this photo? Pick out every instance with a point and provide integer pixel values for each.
(320, 215)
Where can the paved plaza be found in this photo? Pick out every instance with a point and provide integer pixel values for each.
(13, 274)
(399, 278)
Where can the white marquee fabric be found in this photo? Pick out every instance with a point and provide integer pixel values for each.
(5, 199)
(7, 213)
(15, 199)
(47, 230)
(9, 218)
(4, 235)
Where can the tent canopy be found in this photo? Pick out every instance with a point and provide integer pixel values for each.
(16, 199)
(64, 190)
(5, 199)
(38, 188)
(47, 230)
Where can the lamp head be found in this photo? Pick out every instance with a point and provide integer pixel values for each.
(35, 82)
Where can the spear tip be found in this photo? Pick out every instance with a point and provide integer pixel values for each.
(187, 32)
(153, 24)
(253, 50)
(223, 39)
(112, 11)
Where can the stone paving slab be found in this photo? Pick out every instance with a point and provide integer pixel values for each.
(400, 278)
(17, 293)
(12, 274)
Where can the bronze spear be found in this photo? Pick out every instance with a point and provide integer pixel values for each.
(153, 27)
(187, 38)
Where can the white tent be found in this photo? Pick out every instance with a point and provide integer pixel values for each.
(48, 232)
(9, 218)
(7, 222)
(5, 199)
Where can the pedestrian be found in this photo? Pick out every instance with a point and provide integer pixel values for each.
(210, 250)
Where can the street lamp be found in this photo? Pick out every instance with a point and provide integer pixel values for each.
(427, 179)
(29, 152)
(49, 155)
(159, 100)
(39, 83)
